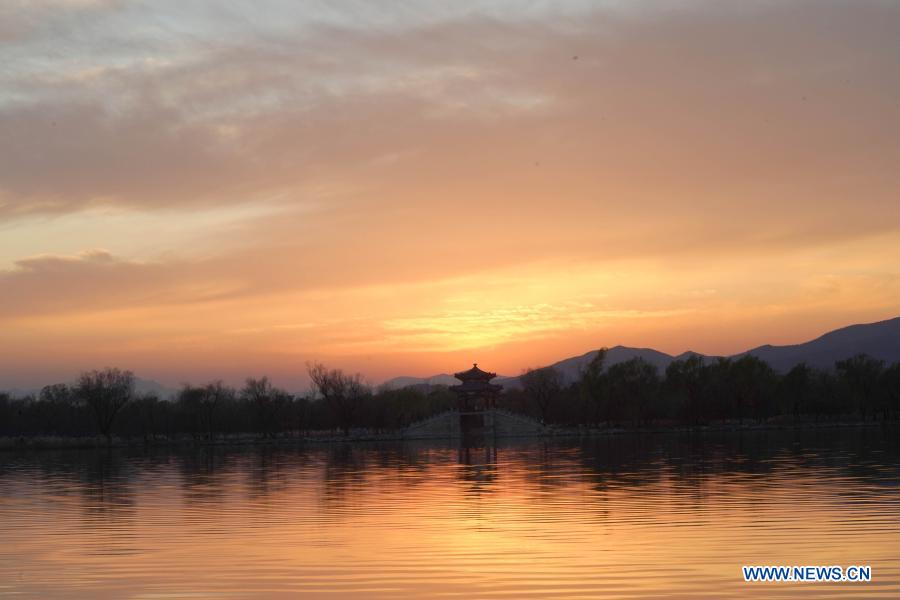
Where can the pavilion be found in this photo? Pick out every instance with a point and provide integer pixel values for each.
(476, 393)
(476, 416)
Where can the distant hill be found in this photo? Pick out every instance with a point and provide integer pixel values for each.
(571, 367)
(401, 382)
(880, 340)
(148, 386)
(141, 387)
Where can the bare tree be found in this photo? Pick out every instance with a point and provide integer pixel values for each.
(214, 393)
(105, 392)
(189, 399)
(543, 386)
(262, 394)
(57, 393)
(343, 393)
(57, 402)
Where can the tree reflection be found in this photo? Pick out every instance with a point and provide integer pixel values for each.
(105, 486)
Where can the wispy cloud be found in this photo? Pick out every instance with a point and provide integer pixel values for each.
(438, 176)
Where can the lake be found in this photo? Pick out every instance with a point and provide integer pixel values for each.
(627, 516)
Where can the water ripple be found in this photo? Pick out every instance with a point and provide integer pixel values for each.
(666, 516)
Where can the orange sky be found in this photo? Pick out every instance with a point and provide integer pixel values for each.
(217, 191)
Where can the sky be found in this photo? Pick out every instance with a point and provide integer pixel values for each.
(215, 189)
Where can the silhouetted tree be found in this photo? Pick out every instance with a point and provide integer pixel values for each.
(302, 414)
(149, 414)
(280, 411)
(200, 403)
(343, 393)
(593, 385)
(695, 390)
(57, 405)
(716, 389)
(189, 405)
(861, 374)
(6, 417)
(58, 393)
(890, 383)
(685, 379)
(409, 404)
(543, 387)
(796, 389)
(105, 392)
(753, 381)
(633, 389)
(214, 394)
(827, 395)
(264, 397)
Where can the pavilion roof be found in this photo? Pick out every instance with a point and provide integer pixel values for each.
(474, 374)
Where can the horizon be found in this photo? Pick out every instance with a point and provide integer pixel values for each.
(212, 191)
(305, 386)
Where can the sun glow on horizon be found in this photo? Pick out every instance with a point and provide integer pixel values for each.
(215, 199)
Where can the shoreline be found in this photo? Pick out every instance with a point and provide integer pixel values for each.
(39, 443)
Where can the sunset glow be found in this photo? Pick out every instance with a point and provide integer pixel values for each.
(238, 191)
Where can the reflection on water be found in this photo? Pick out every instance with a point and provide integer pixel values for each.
(626, 516)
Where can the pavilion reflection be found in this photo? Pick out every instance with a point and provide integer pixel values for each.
(478, 466)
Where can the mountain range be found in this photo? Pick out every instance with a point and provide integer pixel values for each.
(880, 340)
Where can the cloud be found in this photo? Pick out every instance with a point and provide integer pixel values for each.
(23, 20)
(95, 281)
(382, 174)
(712, 107)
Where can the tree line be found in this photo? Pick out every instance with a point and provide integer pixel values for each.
(697, 391)
(104, 403)
(692, 391)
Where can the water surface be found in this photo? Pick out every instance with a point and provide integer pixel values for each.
(661, 516)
